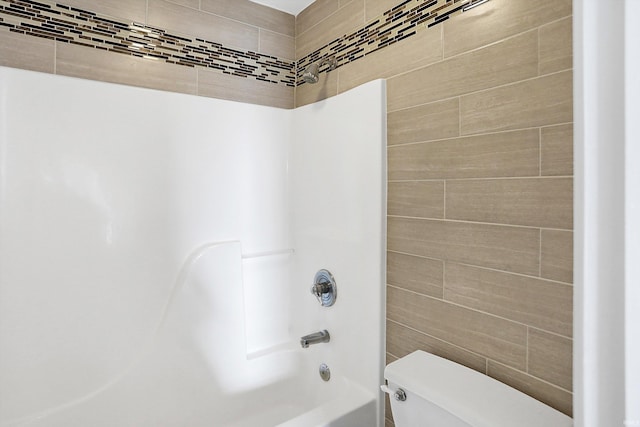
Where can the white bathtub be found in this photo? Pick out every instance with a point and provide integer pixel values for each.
(157, 251)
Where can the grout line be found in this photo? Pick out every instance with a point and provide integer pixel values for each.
(444, 278)
(528, 276)
(479, 90)
(540, 152)
(466, 221)
(435, 338)
(475, 310)
(490, 178)
(534, 377)
(444, 201)
(473, 135)
(538, 50)
(540, 254)
(526, 353)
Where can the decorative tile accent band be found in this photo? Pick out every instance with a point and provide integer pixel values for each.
(67, 24)
(71, 25)
(394, 25)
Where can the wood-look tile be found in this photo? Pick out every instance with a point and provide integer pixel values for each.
(216, 85)
(390, 358)
(94, 64)
(133, 10)
(342, 22)
(26, 52)
(550, 358)
(422, 199)
(543, 101)
(402, 340)
(194, 4)
(534, 302)
(326, 87)
(414, 52)
(556, 46)
(555, 397)
(505, 248)
(535, 202)
(185, 20)
(484, 156)
(388, 422)
(375, 8)
(314, 13)
(557, 150)
(480, 333)
(499, 19)
(251, 13)
(417, 274)
(437, 120)
(505, 62)
(557, 255)
(278, 45)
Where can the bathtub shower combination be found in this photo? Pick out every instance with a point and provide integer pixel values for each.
(158, 252)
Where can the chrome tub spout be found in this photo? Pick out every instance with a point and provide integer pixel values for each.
(315, 338)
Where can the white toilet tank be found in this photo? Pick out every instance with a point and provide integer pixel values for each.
(441, 393)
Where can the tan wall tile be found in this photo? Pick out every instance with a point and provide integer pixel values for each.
(536, 202)
(555, 397)
(343, 21)
(314, 14)
(94, 64)
(496, 155)
(557, 255)
(480, 333)
(499, 19)
(26, 52)
(204, 25)
(194, 4)
(538, 102)
(422, 199)
(556, 46)
(375, 8)
(557, 150)
(134, 10)
(222, 86)
(422, 49)
(252, 13)
(402, 341)
(437, 120)
(504, 62)
(535, 302)
(277, 45)
(326, 87)
(550, 358)
(388, 422)
(501, 247)
(421, 275)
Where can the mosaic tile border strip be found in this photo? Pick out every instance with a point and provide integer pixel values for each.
(396, 24)
(68, 24)
(81, 27)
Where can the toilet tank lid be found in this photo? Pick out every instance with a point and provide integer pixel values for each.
(475, 398)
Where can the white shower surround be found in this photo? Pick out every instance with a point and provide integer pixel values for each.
(157, 251)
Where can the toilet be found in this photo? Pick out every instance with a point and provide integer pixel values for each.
(429, 391)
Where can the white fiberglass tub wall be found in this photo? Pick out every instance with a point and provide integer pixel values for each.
(151, 272)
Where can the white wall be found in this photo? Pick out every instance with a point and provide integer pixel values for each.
(606, 213)
(632, 222)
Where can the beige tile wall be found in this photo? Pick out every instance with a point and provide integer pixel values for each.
(480, 184)
(239, 24)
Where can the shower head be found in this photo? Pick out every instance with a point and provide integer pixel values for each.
(312, 73)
